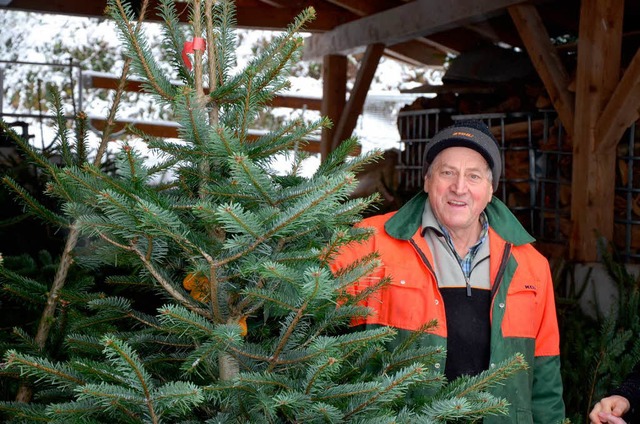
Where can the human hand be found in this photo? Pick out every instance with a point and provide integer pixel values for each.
(606, 418)
(609, 410)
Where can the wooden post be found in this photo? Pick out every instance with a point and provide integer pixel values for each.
(334, 93)
(593, 179)
(353, 109)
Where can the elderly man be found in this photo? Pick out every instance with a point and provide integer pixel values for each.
(458, 255)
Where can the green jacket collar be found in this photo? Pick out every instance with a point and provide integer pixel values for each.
(404, 223)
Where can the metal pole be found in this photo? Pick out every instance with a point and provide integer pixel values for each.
(1, 90)
(80, 88)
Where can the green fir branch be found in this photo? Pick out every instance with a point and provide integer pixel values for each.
(28, 290)
(137, 49)
(173, 36)
(80, 412)
(23, 412)
(184, 321)
(128, 363)
(60, 123)
(392, 388)
(251, 179)
(427, 356)
(33, 206)
(42, 369)
(489, 378)
(464, 409)
(234, 219)
(224, 23)
(194, 123)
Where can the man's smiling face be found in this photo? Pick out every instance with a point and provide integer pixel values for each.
(459, 187)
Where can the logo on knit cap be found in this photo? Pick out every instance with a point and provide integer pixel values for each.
(461, 133)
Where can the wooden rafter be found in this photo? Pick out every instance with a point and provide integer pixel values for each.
(274, 3)
(546, 60)
(418, 52)
(365, 7)
(411, 20)
(249, 14)
(622, 110)
(358, 95)
(496, 31)
(456, 40)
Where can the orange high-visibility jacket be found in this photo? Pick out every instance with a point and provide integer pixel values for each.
(523, 314)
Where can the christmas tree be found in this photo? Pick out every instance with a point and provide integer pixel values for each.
(251, 326)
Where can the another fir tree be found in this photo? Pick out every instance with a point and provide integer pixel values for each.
(253, 326)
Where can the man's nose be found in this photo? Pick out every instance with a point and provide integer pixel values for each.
(459, 184)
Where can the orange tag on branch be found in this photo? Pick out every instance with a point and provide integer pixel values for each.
(198, 285)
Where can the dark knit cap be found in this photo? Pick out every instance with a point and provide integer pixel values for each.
(473, 134)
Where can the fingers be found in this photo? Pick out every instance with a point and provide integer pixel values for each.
(609, 410)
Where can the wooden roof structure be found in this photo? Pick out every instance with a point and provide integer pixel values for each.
(593, 80)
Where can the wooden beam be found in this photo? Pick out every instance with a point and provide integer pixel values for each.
(161, 130)
(498, 30)
(458, 88)
(110, 82)
(273, 3)
(411, 20)
(85, 8)
(249, 14)
(442, 47)
(365, 7)
(296, 102)
(546, 60)
(458, 39)
(593, 174)
(258, 16)
(622, 109)
(352, 111)
(334, 93)
(418, 52)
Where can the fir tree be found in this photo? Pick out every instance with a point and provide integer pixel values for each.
(253, 326)
(600, 348)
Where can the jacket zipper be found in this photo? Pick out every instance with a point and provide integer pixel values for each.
(428, 264)
(424, 259)
(503, 265)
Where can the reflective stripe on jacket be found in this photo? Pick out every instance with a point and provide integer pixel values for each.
(523, 314)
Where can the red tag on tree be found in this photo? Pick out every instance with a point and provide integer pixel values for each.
(189, 47)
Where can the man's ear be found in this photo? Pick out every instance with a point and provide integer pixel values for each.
(491, 191)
